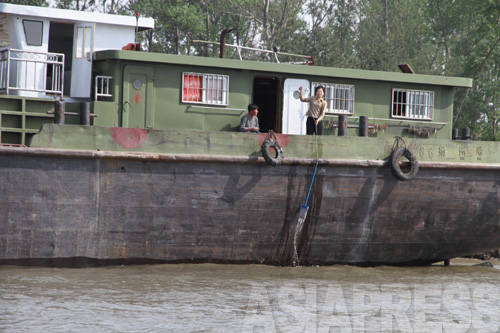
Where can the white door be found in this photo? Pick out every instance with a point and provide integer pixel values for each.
(81, 72)
(294, 111)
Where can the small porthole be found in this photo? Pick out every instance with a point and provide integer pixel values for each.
(137, 84)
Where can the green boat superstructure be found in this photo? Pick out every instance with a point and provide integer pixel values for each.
(161, 76)
(157, 91)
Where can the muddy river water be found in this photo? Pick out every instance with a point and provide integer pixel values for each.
(251, 298)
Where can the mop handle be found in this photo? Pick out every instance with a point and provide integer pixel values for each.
(310, 186)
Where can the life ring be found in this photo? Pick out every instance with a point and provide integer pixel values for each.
(396, 169)
(268, 156)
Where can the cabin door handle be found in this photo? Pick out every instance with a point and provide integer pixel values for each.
(125, 103)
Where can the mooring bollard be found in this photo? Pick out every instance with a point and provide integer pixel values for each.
(85, 113)
(454, 134)
(363, 126)
(342, 125)
(59, 109)
(466, 133)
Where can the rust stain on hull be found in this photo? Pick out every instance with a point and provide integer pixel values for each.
(283, 139)
(129, 138)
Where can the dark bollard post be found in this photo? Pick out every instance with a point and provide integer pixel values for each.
(363, 126)
(342, 125)
(454, 134)
(85, 113)
(59, 109)
(466, 133)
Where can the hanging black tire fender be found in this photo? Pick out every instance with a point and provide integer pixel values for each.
(272, 159)
(396, 169)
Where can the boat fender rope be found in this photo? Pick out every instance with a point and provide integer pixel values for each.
(396, 169)
(268, 156)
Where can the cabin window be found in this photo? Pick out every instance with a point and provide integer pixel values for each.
(339, 97)
(205, 88)
(83, 42)
(33, 32)
(4, 32)
(412, 104)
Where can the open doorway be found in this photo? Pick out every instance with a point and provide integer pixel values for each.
(265, 95)
(61, 41)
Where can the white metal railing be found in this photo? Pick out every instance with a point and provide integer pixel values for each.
(102, 86)
(31, 71)
(309, 59)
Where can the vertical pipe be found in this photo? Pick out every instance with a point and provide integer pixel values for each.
(136, 29)
(342, 125)
(8, 73)
(222, 44)
(85, 113)
(363, 126)
(466, 133)
(59, 109)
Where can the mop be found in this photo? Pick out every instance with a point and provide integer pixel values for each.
(303, 210)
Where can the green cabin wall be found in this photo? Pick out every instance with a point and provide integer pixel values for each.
(168, 111)
(165, 110)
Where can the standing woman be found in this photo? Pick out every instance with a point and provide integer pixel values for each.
(317, 110)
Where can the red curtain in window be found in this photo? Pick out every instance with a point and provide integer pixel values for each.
(192, 88)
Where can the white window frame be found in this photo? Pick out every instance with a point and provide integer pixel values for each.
(83, 43)
(4, 31)
(412, 104)
(339, 97)
(214, 89)
(33, 32)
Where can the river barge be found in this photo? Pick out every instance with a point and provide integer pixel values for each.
(111, 155)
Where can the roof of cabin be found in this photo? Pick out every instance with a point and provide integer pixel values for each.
(285, 68)
(66, 15)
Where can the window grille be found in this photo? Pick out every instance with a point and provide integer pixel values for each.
(205, 88)
(339, 97)
(412, 104)
(102, 86)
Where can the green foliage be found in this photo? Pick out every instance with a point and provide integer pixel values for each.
(473, 40)
(332, 35)
(394, 32)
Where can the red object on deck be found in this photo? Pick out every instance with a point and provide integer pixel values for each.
(132, 47)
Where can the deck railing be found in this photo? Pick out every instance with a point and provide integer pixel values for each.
(31, 71)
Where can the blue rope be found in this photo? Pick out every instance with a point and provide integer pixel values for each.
(310, 186)
(315, 168)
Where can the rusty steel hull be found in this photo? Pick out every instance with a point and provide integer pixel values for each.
(79, 208)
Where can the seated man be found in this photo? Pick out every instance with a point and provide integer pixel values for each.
(250, 122)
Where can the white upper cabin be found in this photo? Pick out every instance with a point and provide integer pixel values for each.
(48, 51)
